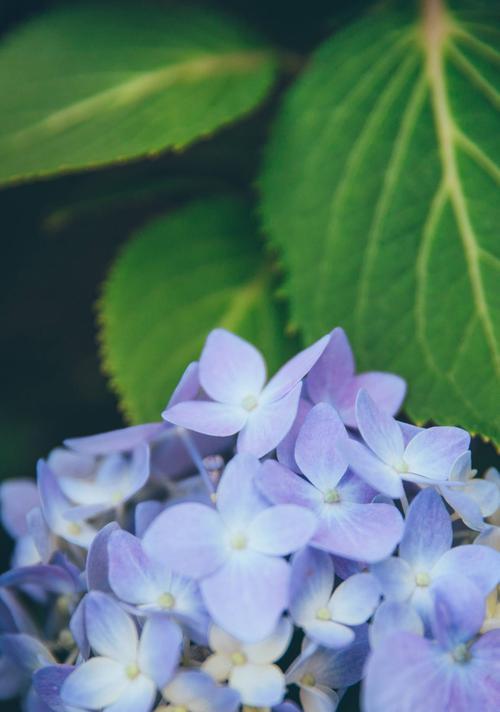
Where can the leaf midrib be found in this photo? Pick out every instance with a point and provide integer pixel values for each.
(141, 85)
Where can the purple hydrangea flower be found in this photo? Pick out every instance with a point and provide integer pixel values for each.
(393, 617)
(235, 550)
(17, 498)
(22, 655)
(456, 671)
(128, 670)
(384, 461)
(233, 374)
(324, 616)
(426, 556)
(350, 524)
(475, 499)
(333, 380)
(249, 667)
(140, 580)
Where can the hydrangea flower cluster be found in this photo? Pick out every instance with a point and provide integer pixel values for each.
(265, 546)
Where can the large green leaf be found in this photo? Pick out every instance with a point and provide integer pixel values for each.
(381, 190)
(178, 278)
(86, 85)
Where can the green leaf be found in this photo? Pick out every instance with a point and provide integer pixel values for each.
(181, 276)
(86, 85)
(381, 190)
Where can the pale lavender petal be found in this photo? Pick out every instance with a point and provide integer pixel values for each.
(238, 499)
(131, 572)
(311, 584)
(79, 629)
(207, 417)
(282, 529)
(363, 532)
(329, 633)
(111, 632)
(17, 498)
(144, 514)
(285, 451)
(486, 494)
(160, 649)
(247, 595)
(268, 424)
(333, 371)
(48, 682)
(486, 680)
(294, 371)
(286, 707)
(40, 533)
(319, 450)
(355, 599)
(428, 531)
(409, 431)
(230, 368)
(94, 684)
(137, 696)
(273, 647)
(465, 506)
(48, 576)
(396, 578)
(139, 471)
(385, 389)
(379, 430)
(12, 679)
(68, 463)
(188, 386)
(377, 474)
(394, 617)
(347, 567)
(459, 611)
(406, 673)
(258, 685)
(480, 564)
(199, 691)
(318, 699)
(282, 486)
(122, 440)
(98, 560)
(432, 452)
(189, 538)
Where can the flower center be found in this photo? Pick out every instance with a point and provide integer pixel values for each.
(250, 402)
(331, 496)
(238, 658)
(308, 680)
(239, 541)
(323, 614)
(166, 600)
(74, 529)
(422, 578)
(461, 653)
(132, 671)
(403, 467)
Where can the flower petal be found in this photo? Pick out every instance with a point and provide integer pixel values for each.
(282, 529)
(406, 673)
(432, 452)
(294, 370)
(271, 648)
(111, 632)
(333, 371)
(122, 440)
(363, 532)
(47, 683)
(206, 417)
(395, 577)
(248, 594)
(138, 696)
(258, 685)
(480, 564)
(268, 424)
(355, 599)
(319, 699)
(285, 451)
(394, 617)
(231, 368)
(311, 584)
(17, 498)
(238, 499)
(160, 649)
(97, 569)
(282, 486)
(385, 389)
(379, 430)
(458, 611)
(318, 451)
(189, 538)
(131, 572)
(376, 473)
(428, 531)
(95, 684)
(188, 386)
(199, 692)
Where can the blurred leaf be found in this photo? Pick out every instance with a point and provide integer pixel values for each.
(381, 190)
(178, 278)
(86, 85)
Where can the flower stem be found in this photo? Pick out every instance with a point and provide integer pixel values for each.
(197, 459)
